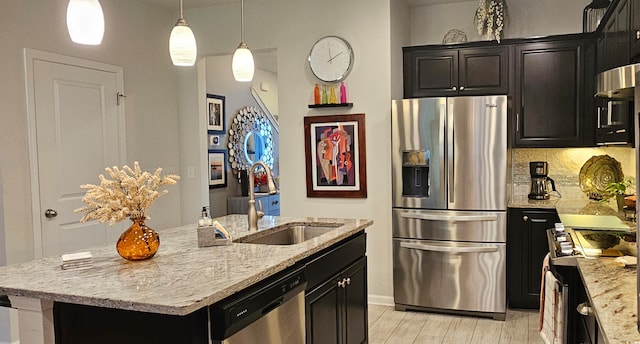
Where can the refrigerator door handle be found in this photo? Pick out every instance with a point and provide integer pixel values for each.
(449, 249)
(441, 141)
(439, 217)
(451, 151)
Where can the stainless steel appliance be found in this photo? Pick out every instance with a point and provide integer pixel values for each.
(272, 312)
(539, 171)
(615, 122)
(449, 168)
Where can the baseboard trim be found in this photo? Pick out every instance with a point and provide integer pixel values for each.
(380, 300)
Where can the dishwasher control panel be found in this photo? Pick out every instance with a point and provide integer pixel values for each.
(239, 310)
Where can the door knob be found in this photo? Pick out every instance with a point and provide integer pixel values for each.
(50, 213)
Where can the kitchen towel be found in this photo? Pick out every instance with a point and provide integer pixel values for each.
(545, 268)
(553, 320)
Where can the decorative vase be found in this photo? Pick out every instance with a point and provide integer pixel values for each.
(138, 242)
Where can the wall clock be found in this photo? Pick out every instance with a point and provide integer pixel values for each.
(331, 59)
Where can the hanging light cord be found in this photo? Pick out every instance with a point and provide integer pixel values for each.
(181, 15)
(241, 20)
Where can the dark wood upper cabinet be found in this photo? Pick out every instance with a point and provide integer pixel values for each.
(635, 30)
(445, 71)
(553, 103)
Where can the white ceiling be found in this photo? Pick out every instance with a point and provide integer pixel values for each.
(175, 4)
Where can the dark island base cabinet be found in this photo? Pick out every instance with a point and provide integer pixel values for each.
(336, 298)
(526, 248)
(79, 324)
(336, 308)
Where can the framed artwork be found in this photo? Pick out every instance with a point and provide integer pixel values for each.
(335, 152)
(215, 113)
(215, 141)
(217, 169)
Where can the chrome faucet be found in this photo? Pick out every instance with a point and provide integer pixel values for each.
(254, 215)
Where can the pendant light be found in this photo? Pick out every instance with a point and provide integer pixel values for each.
(85, 21)
(242, 63)
(182, 43)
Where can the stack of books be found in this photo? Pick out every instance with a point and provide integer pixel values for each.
(77, 260)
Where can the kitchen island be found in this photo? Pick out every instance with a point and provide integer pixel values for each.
(180, 280)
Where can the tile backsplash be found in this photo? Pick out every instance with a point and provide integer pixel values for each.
(564, 166)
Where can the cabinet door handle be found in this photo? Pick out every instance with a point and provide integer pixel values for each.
(348, 280)
(341, 283)
(525, 218)
(461, 88)
(637, 34)
(584, 309)
(517, 122)
(454, 88)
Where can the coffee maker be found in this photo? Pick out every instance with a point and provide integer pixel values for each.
(540, 181)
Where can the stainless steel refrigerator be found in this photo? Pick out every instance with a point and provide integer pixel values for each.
(449, 161)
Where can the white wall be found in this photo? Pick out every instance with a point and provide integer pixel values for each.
(525, 18)
(136, 38)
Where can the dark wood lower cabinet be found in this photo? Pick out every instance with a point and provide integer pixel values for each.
(526, 248)
(336, 306)
(79, 324)
(336, 310)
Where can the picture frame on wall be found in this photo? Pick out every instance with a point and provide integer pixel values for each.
(335, 155)
(215, 141)
(215, 114)
(217, 168)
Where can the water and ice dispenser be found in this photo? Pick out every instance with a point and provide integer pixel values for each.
(415, 173)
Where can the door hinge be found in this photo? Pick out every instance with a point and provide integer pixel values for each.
(118, 96)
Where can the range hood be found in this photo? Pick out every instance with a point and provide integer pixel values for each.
(617, 83)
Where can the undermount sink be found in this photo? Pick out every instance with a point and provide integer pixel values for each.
(289, 234)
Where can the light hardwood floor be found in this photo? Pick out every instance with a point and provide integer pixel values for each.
(388, 326)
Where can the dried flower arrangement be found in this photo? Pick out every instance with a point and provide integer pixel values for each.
(490, 18)
(129, 195)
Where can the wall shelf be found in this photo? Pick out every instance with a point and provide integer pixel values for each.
(312, 106)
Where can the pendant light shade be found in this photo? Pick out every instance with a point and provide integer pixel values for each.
(182, 43)
(85, 21)
(242, 64)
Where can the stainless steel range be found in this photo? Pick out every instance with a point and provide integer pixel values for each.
(449, 204)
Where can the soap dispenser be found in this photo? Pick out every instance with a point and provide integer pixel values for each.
(204, 219)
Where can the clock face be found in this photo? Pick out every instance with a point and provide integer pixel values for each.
(331, 59)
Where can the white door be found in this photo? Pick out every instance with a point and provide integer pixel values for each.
(78, 132)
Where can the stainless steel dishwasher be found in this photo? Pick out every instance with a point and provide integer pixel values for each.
(270, 312)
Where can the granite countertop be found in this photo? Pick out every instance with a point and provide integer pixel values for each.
(612, 290)
(180, 279)
(566, 205)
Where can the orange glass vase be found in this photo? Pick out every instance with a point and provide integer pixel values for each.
(139, 242)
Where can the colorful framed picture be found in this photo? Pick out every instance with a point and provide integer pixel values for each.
(217, 169)
(335, 152)
(215, 113)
